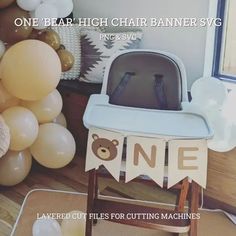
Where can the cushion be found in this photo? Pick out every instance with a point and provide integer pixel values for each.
(70, 38)
(98, 47)
(4, 137)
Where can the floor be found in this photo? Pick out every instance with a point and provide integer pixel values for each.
(71, 178)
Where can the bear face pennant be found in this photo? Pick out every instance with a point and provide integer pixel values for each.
(145, 156)
(187, 158)
(104, 148)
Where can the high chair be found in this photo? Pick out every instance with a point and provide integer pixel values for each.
(151, 86)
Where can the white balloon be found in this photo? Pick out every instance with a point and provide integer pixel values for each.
(43, 227)
(28, 5)
(224, 132)
(64, 7)
(228, 109)
(42, 12)
(2, 48)
(208, 93)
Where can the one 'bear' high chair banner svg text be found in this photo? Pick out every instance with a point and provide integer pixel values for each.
(146, 156)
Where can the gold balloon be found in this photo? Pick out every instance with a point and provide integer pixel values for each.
(60, 120)
(14, 167)
(30, 70)
(54, 146)
(66, 58)
(50, 37)
(6, 99)
(47, 108)
(74, 225)
(23, 127)
(5, 3)
(9, 31)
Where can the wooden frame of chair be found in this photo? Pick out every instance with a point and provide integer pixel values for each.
(188, 191)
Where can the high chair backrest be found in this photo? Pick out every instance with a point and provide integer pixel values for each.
(145, 79)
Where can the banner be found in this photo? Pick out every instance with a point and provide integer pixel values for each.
(145, 156)
(187, 158)
(104, 148)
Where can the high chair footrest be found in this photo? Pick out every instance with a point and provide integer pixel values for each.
(142, 216)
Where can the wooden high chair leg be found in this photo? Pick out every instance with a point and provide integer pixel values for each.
(90, 201)
(193, 207)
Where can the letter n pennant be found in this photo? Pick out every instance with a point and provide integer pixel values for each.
(104, 148)
(145, 156)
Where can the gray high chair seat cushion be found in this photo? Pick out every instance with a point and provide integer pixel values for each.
(146, 80)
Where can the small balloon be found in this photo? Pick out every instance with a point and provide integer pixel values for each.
(60, 120)
(9, 31)
(28, 5)
(30, 70)
(6, 99)
(50, 37)
(4, 137)
(23, 127)
(14, 167)
(66, 58)
(5, 3)
(54, 146)
(2, 48)
(74, 225)
(208, 93)
(43, 227)
(47, 108)
(45, 11)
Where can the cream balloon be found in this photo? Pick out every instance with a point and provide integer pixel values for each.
(46, 227)
(54, 146)
(47, 108)
(28, 5)
(30, 70)
(14, 167)
(208, 93)
(23, 127)
(6, 99)
(74, 225)
(2, 48)
(61, 120)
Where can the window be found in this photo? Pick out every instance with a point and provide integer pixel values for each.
(225, 42)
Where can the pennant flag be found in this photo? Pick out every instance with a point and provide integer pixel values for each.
(104, 148)
(187, 158)
(145, 156)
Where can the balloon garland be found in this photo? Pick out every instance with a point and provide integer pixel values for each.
(31, 122)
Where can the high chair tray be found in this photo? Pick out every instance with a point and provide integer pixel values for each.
(145, 122)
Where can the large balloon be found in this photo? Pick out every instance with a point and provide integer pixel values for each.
(14, 167)
(61, 120)
(46, 109)
(9, 31)
(28, 5)
(43, 227)
(4, 137)
(30, 70)
(6, 99)
(208, 93)
(54, 146)
(74, 225)
(5, 3)
(224, 138)
(23, 127)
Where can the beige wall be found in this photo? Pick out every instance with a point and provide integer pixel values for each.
(187, 43)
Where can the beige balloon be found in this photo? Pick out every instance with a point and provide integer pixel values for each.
(6, 99)
(30, 70)
(54, 146)
(14, 167)
(61, 120)
(74, 225)
(23, 127)
(47, 108)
